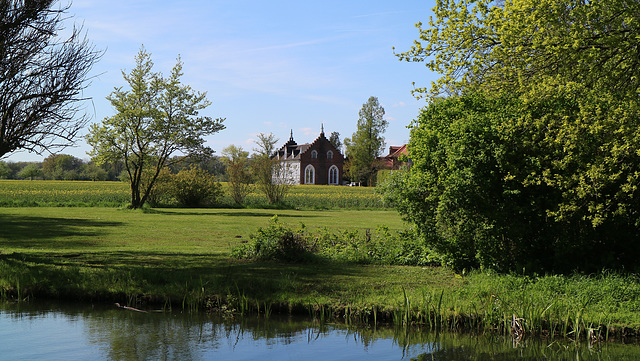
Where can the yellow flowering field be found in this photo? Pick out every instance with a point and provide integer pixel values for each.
(62, 193)
(325, 197)
(25, 193)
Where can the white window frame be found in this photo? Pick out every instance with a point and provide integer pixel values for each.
(309, 174)
(335, 169)
(314, 154)
(329, 155)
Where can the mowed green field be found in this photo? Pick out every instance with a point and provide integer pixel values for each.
(110, 254)
(206, 231)
(22, 193)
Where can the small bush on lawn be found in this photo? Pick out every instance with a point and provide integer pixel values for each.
(278, 242)
(195, 187)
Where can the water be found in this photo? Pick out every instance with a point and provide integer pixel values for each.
(37, 332)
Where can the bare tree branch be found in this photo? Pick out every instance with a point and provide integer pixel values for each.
(42, 77)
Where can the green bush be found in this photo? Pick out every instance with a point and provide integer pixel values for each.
(281, 243)
(380, 246)
(545, 184)
(275, 243)
(195, 187)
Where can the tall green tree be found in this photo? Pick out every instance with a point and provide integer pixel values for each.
(531, 159)
(31, 171)
(367, 143)
(334, 139)
(154, 119)
(61, 166)
(5, 171)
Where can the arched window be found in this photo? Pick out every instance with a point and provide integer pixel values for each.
(333, 175)
(309, 175)
(314, 154)
(329, 155)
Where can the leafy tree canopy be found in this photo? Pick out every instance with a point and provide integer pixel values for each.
(154, 119)
(367, 143)
(527, 155)
(530, 43)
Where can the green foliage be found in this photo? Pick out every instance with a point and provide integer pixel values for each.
(195, 187)
(278, 242)
(527, 44)
(334, 139)
(92, 172)
(161, 193)
(153, 120)
(61, 166)
(268, 171)
(30, 171)
(534, 161)
(367, 143)
(275, 243)
(508, 184)
(5, 170)
(381, 247)
(239, 178)
(383, 176)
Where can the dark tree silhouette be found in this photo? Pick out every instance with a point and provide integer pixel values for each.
(42, 76)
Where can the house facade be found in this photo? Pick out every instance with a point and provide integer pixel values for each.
(318, 162)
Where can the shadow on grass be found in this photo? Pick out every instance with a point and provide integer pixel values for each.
(107, 276)
(49, 232)
(267, 214)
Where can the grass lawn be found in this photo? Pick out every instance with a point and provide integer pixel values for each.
(180, 258)
(173, 254)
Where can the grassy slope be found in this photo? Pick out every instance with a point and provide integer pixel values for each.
(181, 257)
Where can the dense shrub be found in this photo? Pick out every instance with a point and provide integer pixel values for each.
(281, 243)
(380, 246)
(195, 187)
(543, 184)
(276, 242)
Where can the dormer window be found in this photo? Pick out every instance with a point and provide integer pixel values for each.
(314, 154)
(329, 155)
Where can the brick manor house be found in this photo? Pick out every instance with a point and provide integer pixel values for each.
(312, 163)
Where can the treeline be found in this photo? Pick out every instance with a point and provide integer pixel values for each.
(68, 167)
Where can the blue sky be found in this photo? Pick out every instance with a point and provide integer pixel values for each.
(267, 66)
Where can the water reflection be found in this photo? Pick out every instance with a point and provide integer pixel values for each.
(109, 333)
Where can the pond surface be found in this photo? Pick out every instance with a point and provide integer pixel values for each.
(49, 332)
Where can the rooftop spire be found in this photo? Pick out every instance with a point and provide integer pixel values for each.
(321, 128)
(291, 137)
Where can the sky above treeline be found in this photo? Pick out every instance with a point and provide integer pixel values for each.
(267, 66)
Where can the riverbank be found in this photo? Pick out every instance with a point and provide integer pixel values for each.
(179, 259)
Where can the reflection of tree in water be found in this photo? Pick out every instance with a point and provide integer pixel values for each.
(454, 347)
(139, 336)
(128, 335)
